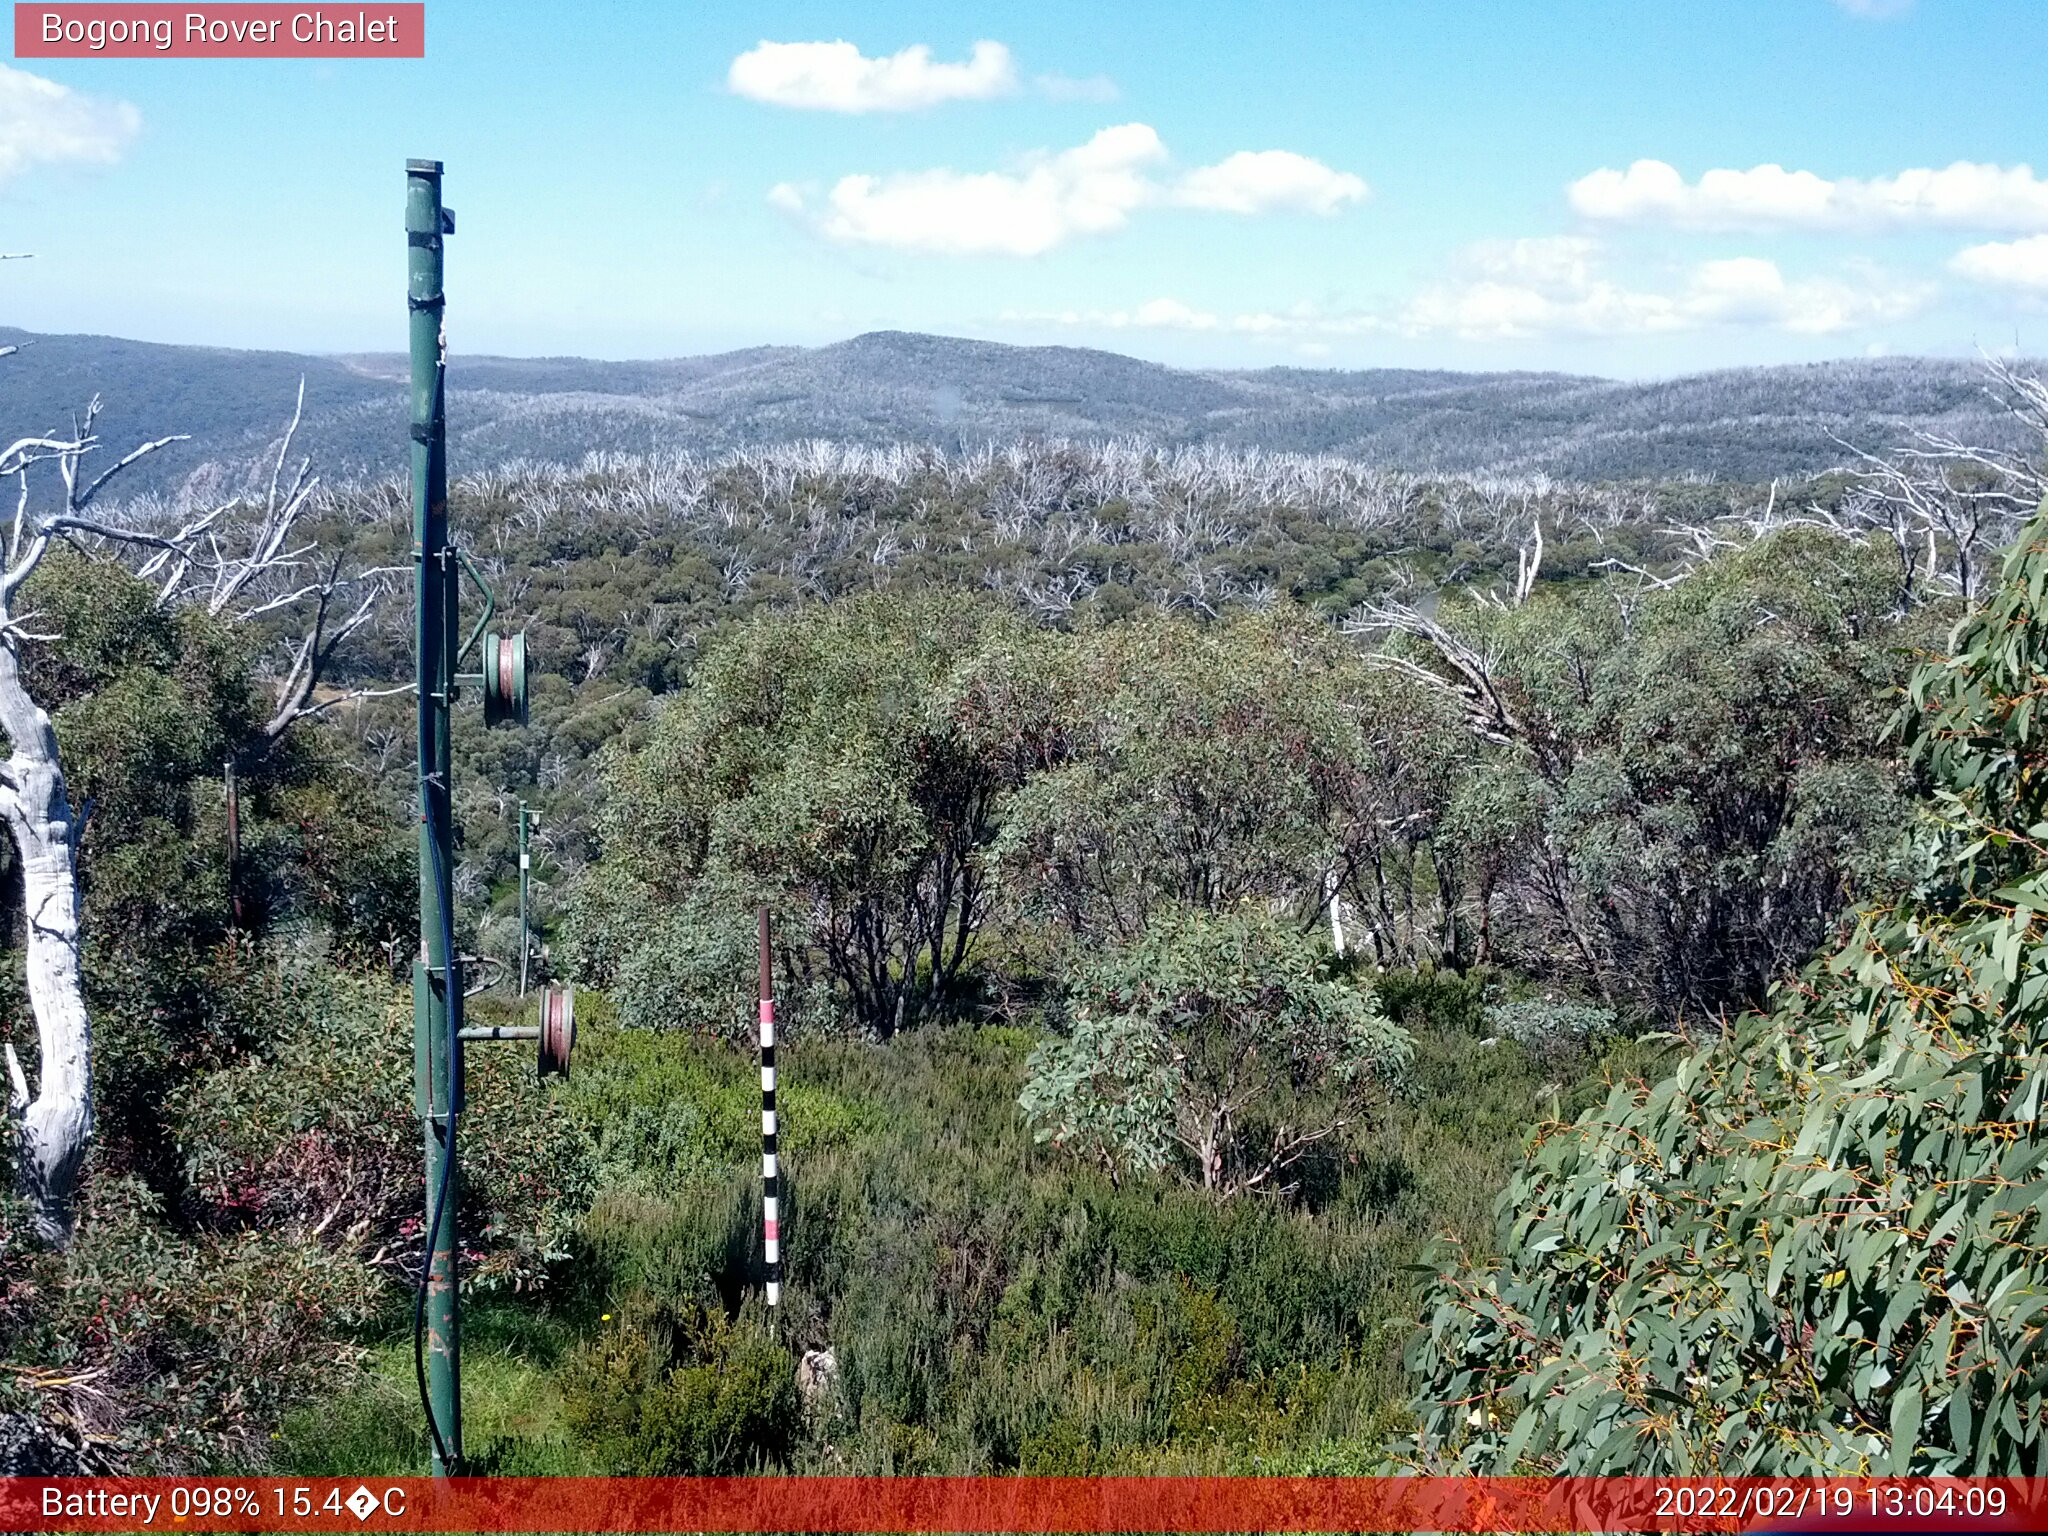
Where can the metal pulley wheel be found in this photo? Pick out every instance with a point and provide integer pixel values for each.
(505, 679)
(557, 1029)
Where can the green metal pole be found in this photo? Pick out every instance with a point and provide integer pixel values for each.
(525, 931)
(437, 982)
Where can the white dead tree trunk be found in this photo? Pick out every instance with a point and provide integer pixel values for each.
(1469, 675)
(55, 1122)
(1529, 560)
(54, 1118)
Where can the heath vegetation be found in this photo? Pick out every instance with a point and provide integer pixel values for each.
(1287, 965)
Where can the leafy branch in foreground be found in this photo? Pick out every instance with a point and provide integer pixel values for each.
(1817, 1246)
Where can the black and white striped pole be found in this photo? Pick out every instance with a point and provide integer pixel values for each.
(771, 1162)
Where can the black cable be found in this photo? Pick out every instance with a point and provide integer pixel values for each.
(419, 1321)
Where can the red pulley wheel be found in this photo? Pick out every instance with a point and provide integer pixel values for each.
(504, 679)
(557, 1029)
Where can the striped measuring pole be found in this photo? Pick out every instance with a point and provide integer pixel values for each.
(771, 1162)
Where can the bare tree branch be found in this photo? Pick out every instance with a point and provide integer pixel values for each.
(1471, 681)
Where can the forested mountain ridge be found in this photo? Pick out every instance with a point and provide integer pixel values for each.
(1751, 424)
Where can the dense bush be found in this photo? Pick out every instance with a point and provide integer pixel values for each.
(316, 1131)
(1218, 1042)
(1815, 1245)
(1549, 1028)
(831, 766)
(668, 1393)
(167, 1353)
(1697, 785)
(945, 805)
(1202, 765)
(152, 708)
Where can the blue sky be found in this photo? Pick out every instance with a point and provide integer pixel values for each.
(1630, 187)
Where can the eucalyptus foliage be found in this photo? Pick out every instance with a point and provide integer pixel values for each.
(1818, 1244)
(1698, 788)
(1219, 1042)
(839, 765)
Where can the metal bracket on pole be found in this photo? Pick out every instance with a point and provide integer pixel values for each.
(490, 604)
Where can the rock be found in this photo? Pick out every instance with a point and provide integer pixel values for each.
(31, 1448)
(816, 1374)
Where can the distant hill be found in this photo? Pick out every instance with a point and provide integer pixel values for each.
(1743, 424)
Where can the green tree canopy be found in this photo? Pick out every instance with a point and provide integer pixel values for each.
(1816, 1246)
(1207, 764)
(833, 763)
(1696, 786)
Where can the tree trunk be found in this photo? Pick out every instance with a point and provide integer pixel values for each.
(56, 1121)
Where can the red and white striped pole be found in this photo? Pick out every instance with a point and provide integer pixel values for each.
(771, 1169)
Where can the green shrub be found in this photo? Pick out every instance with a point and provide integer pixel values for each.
(1217, 1042)
(176, 1353)
(1816, 1245)
(1552, 1030)
(682, 1392)
(1441, 999)
(842, 765)
(316, 1131)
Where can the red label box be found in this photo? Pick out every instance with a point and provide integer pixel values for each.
(1043, 1506)
(371, 30)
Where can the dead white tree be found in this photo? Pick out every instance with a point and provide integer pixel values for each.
(1529, 561)
(1946, 506)
(1469, 675)
(246, 559)
(54, 1119)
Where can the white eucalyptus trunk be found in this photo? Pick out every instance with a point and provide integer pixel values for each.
(55, 1122)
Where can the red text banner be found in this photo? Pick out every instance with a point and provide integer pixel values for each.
(242, 31)
(1024, 1504)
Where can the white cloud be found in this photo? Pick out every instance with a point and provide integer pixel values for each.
(1550, 260)
(2019, 264)
(1747, 290)
(1546, 287)
(1875, 10)
(1556, 287)
(1086, 191)
(1263, 180)
(1090, 190)
(1491, 308)
(1963, 195)
(838, 77)
(1170, 314)
(1531, 287)
(44, 123)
